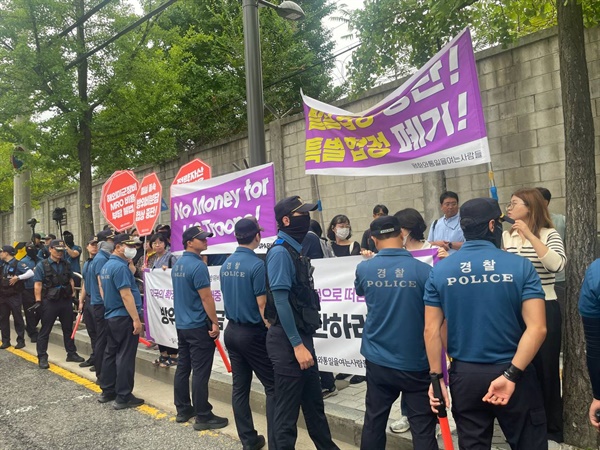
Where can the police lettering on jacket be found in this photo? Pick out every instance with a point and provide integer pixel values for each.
(488, 266)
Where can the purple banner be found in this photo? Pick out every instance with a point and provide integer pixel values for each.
(434, 121)
(218, 203)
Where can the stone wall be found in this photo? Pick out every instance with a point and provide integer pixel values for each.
(520, 89)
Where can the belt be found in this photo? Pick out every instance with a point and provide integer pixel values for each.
(248, 325)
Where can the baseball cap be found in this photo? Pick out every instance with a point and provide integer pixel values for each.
(93, 240)
(195, 232)
(57, 244)
(246, 227)
(50, 237)
(384, 225)
(292, 204)
(123, 238)
(105, 235)
(9, 249)
(480, 210)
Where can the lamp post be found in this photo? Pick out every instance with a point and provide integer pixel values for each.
(254, 87)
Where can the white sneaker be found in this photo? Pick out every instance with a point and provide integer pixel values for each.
(553, 445)
(400, 426)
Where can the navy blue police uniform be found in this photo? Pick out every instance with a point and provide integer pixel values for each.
(118, 370)
(393, 284)
(243, 279)
(56, 300)
(88, 309)
(11, 299)
(31, 318)
(297, 310)
(480, 290)
(75, 263)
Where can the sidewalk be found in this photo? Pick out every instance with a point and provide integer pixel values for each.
(345, 411)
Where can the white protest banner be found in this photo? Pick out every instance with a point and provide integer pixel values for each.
(337, 342)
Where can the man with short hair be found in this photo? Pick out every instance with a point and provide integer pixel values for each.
(445, 232)
(197, 327)
(393, 284)
(123, 306)
(367, 243)
(493, 302)
(14, 274)
(54, 292)
(44, 252)
(244, 295)
(293, 311)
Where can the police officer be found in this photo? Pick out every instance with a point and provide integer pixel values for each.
(44, 251)
(14, 273)
(123, 305)
(392, 342)
(54, 293)
(85, 306)
(293, 311)
(244, 295)
(197, 327)
(72, 255)
(493, 302)
(589, 309)
(31, 319)
(93, 287)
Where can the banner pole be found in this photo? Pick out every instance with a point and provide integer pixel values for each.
(493, 189)
(320, 206)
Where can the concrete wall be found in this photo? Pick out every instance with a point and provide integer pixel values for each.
(520, 89)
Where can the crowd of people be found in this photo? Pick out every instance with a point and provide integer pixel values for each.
(497, 268)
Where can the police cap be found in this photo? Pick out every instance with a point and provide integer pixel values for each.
(291, 205)
(246, 227)
(384, 225)
(479, 210)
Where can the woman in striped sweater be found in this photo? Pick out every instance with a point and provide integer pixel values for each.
(533, 237)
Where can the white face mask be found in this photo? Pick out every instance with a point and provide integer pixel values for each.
(130, 252)
(342, 233)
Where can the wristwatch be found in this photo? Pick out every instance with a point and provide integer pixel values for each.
(450, 245)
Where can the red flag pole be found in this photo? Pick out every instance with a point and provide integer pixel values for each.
(223, 355)
(79, 316)
(442, 414)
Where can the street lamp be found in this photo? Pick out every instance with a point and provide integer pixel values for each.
(254, 87)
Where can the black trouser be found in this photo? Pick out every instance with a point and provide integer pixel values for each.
(90, 325)
(327, 380)
(31, 318)
(101, 336)
(295, 388)
(51, 310)
(248, 353)
(522, 420)
(196, 352)
(11, 304)
(547, 367)
(167, 350)
(118, 368)
(384, 385)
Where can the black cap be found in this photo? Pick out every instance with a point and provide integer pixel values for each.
(163, 227)
(384, 225)
(50, 236)
(480, 210)
(37, 236)
(93, 240)
(195, 232)
(105, 235)
(246, 227)
(293, 204)
(57, 244)
(67, 233)
(9, 249)
(124, 238)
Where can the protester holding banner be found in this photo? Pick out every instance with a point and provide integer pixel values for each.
(85, 306)
(244, 295)
(392, 342)
(445, 232)
(413, 229)
(367, 244)
(493, 302)
(293, 311)
(197, 327)
(311, 245)
(339, 233)
(533, 237)
(123, 305)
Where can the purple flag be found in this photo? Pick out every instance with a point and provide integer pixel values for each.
(218, 203)
(434, 121)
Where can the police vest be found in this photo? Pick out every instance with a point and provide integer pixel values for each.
(7, 274)
(58, 284)
(303, 298)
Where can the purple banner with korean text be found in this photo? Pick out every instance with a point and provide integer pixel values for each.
(218, 203)
(434, 121)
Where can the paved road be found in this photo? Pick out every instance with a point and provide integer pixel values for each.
(41, 409)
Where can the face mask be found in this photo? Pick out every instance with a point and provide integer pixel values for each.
(69, 241)
(298, 227)
(404, 239)
(130, 252)
(342, 233)
(106, 246)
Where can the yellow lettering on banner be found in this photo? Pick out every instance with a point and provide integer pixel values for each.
(333, 150)
(364, 122)
(375, 146)
(318, 120)
(313, 149)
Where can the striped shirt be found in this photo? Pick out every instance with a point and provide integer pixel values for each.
(552, 262)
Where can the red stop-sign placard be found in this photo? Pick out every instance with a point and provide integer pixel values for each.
(147, 204)
(195, 170)
(117, 202)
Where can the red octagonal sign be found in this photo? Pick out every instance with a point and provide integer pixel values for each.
(147, 204)
(195, 170)
(117, 201)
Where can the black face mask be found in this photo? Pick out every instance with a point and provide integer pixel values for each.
(69, 241)
(298, 227)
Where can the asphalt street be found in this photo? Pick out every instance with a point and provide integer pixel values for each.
(55, 409)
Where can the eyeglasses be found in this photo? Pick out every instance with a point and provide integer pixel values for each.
(450, 205)
(511, 205)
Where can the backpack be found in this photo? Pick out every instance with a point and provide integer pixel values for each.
(326, 248)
